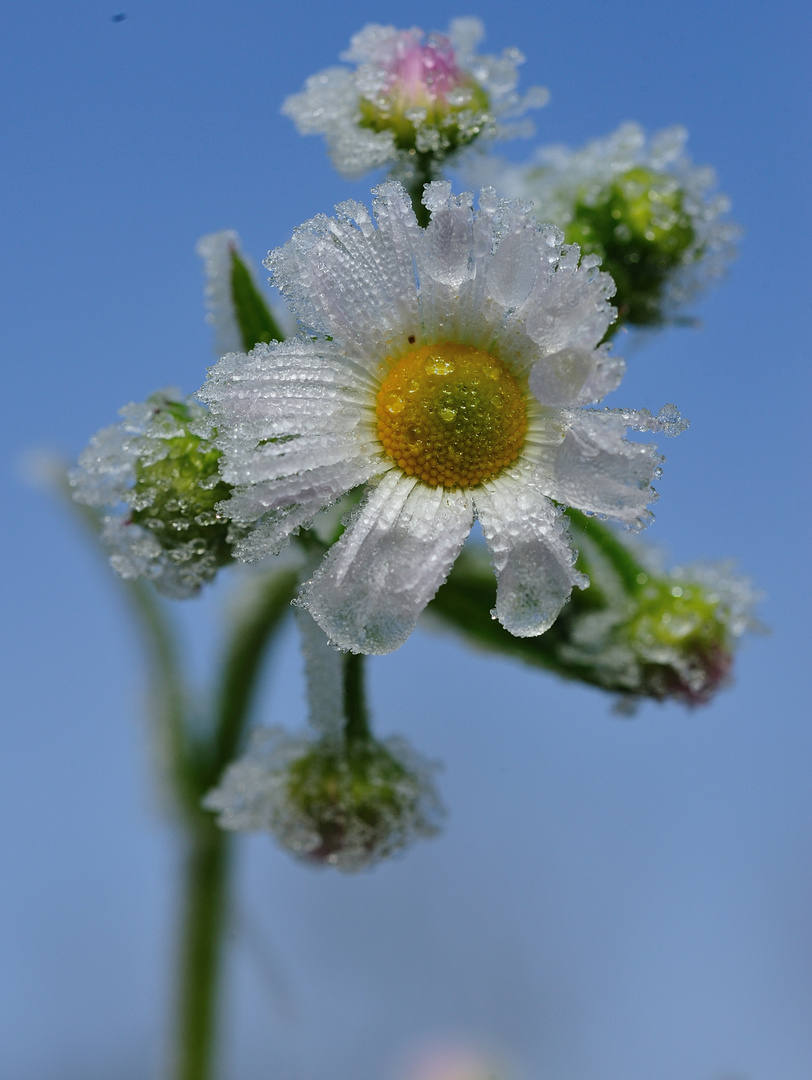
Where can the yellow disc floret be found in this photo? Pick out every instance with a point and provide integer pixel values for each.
(451, 415)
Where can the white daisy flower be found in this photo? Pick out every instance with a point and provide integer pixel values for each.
(447, 368)
(409, 96)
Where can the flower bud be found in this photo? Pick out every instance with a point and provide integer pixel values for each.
(328, 801)
(641, 232)
(682, 632)
(410, 97)
(640, 206)
(671, 636)
(159, 462)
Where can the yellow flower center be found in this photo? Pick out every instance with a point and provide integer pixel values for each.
(451, 415)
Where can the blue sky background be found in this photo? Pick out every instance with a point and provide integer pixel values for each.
(611, 900)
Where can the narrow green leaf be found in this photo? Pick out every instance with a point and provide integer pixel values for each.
(253, 315)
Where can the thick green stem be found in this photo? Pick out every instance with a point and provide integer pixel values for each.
(356, 727)
(202, 923)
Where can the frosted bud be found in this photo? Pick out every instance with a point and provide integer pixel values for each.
(411, 95)
(683, 631)
(641, 231)
(330, 802)
(647, 632)
(161, 466)
(639, 205)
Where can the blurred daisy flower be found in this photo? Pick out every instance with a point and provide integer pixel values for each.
(411, 101)
(446, 369)
(642, 207)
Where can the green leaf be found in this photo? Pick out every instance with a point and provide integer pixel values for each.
(253, 315)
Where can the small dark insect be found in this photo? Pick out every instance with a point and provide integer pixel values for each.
(122, 15)
(412, 339)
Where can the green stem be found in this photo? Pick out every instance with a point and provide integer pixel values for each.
(244, 657)
(622, 559)
(356, 727)
(208, 859)
(203, 920)
(423, 174)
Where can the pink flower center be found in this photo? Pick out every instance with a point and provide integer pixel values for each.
(420, 74)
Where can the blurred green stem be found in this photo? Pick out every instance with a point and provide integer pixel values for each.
(203, 919)
(194, 751)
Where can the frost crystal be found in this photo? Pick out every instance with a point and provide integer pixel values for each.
(448, 370)
(160, 463)
(641, 207)
(408, 96)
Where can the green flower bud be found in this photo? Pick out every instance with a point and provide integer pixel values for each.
(329, 801)
(412, 100)
(161, 463)
(639, 229)
(639, 205)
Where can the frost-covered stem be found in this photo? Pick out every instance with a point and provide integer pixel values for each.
(424, 173)
(202, 922)
(356, 727)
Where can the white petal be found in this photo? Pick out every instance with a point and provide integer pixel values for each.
(569, 308)
(597, 470)
(351, 281)
(446, 254)
(320, 486)
(274, 531)
(575, 377)
(374, 583)
(530, 548)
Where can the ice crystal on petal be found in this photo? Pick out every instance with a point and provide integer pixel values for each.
(410, 94)
(640, 204)
(160, 462)
(443, 371)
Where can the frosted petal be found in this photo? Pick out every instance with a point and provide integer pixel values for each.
(351, 281)
(569, 308)
(530, 549)
(374, 583)
(575, 377)
(446, 253)
(598, 470)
